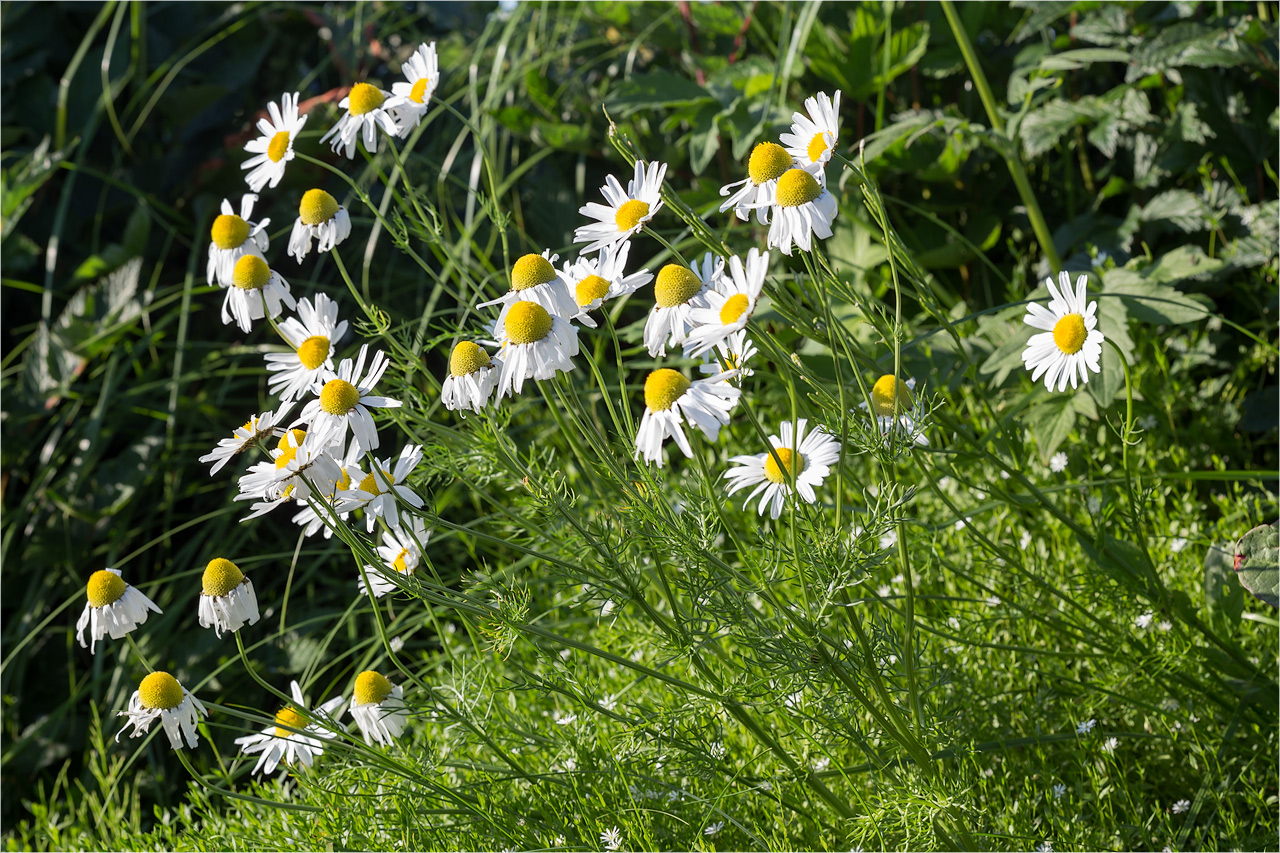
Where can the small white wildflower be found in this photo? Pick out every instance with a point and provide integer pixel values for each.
(1165, 625)
(1058, 790)
(1094, 503)
(713, 829)
(1180, 806)
(1086, 727)
(1058, 463)
(1025, 541)
(1044, 847)
(611, 838)
(1143, 622)
(1109, 745)
(1147, 422)
(1177, 544)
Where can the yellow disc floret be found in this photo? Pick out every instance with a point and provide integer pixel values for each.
(364, 98)
(339, 396)
(630, 214)
(467, 358)
(797, 187)
(371, 688)
(734, 307)
(251, 273)
(1069, 333)
(768, 161)
(289, 451)
(590, 289)
(317, 206)
(105, 588)
(531, 271)
(221, 576)
(817, 147)
(792, 465)
(886, 391)
(370, 482)
(160, 691)
(663, 387)
(229, 231)
(278, 146)
(419, 91)
(675, 285)
(313, 351)
(399, 563)
(527, 323)
(290, 717)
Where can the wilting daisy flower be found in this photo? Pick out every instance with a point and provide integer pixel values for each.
(472, 377)
(274, 148)
(233, 237)
(676, 292)
(319, 216)
(255, 290)
(805, 459)
(366, 107)
(113, 608)
(412, 98)
(812, 139)
(626, 212)
(803, 207)
(611, 839)
(533, 343)
(378, 491)
(670, 399)
(296, 465)
(343, 400)
(534, 279)
(320, 507)
(732, 353)
(758, 190)
(161, 697)
(312, 334)
(280, 743)
(227, 600)
(896, 410)
(401, 552)
(593, 280)
(378, 708)
(1071, 344)
(729, 305)
(257, 428)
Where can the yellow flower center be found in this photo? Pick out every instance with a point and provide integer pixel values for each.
(797, 187)
(886, 390)
(675, 285)
(400, 565)
(250, 425)
(768, 161)
(817, 146)
(370, 483)
(531, 271)
(364, 98)
(291, 717)
(344, 481)
(1069, 333)
(278, 146)
(105, 588)
(590, 289)
(314, 351)
(371, 688)
(419, 90)
(317, 206)
(792, 465)
(467, 358)
(287, 450)
(630, 214)
(339, 396)
(251, 273)
(221, 576)
(527, 323)
(160, 691)
(663, 387)
(229, 231)
(734, 307)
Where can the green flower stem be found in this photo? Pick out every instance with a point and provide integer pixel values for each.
(670, 248)
(279, 804)
(244, 658)
(133, 644)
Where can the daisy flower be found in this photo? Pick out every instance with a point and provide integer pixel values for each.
(534, 279)
(312, 334)
(732, 353)
(670, 398)
(626, 212)
(533, 343)
(377, 491)
(803, 207)
(292, 740)
(296, 465)
(794, 457)
(233, 237)
(274, 148)
(255, 430)
(412, 98)
(227, 600)
(812, 139)
(593, 280)
(1071, 344)
(729, 305)
(343, 400)
(472, 377)
(676, 292)
(320, 217)
(114, 608)
(378, 708)
(366, 107)
(895, 408)
(161, 697)
(255, 289)
(312, 519)
(401, 552)
(758, 191)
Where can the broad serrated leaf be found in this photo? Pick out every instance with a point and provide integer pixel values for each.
(1051, 421)
(1181, 208)
(1257, 562)
(1042, 127)
(657, 88)
(1149, 302)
